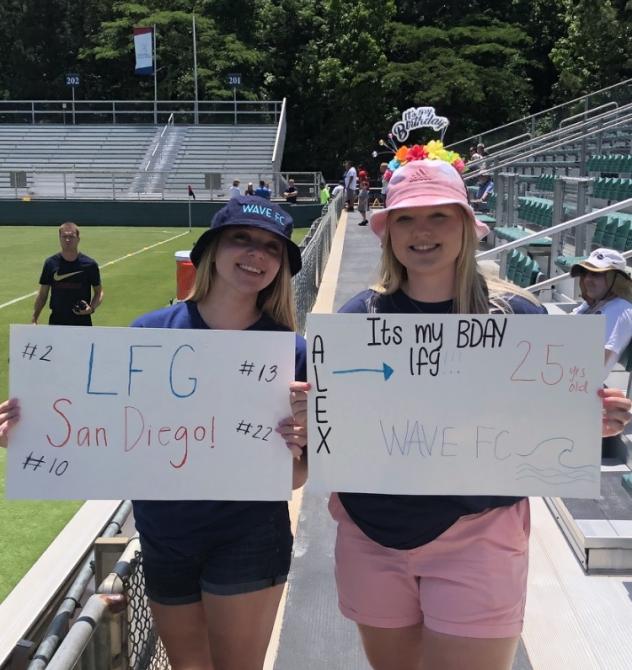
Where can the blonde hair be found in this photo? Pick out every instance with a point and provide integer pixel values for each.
(475, 292)
(276, 300)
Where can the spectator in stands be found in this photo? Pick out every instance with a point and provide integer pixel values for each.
(351, 182)
(482, 152)
(74, 282)
(215, 570)
(263, 191)
(363, 202)
(340, 186)
(325, 195)
(484, 191)
(291, 194)
(234, 191)
(605, 281)
(474, 155)
(250, 189)
(437, 582)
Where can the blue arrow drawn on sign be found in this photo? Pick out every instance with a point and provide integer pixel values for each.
(386, 370)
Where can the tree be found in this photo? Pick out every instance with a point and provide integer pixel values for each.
(594, 52)
(473, 72)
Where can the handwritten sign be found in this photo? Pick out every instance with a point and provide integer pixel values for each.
(455, 404)
(149, 413)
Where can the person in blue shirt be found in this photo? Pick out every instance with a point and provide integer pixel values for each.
(436, 581)
(215, 570)
(263, 191)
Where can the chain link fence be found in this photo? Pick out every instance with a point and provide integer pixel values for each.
(315, 253)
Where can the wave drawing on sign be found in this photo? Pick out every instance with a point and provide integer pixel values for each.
(557, 472)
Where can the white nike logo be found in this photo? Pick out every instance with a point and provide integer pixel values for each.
(58, 277)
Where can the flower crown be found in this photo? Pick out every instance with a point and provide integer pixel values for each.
(434, 150)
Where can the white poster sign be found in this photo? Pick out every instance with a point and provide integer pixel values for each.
(455, 404)
(148, 414)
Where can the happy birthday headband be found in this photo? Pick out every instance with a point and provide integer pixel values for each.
(413, 118)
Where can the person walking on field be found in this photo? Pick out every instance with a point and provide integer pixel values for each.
(73, 280)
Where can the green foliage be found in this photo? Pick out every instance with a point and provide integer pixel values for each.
(347, 69)
(595, 51)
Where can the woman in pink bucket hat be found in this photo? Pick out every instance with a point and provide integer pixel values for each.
(437, 581)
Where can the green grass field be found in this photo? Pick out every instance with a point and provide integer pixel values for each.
(138, 272)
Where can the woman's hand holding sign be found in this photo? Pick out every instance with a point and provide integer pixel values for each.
(9, 415)
(293, 429)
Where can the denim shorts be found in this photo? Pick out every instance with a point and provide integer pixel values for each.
(255, 560)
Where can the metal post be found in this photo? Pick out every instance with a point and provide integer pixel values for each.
(189, 213)
(33, 112)
(557, 241)
(196, 119)
(510, 180)
(235, 102)
(499, 187)
(580, 231)
(72, 88)
(113, 112)
(155, 79)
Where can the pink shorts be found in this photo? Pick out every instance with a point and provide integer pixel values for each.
(471, 581)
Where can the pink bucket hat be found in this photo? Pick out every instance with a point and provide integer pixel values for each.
(423, 183)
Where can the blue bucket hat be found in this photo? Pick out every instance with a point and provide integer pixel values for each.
(255, 212)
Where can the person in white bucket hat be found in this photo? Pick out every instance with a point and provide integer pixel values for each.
(605, 281)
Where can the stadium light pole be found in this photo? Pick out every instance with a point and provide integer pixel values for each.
(155, 80)
(196, 119)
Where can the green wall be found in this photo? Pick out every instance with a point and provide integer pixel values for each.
(128, 213)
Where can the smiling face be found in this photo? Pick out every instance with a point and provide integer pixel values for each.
(594, 285)
(427, 240)
(247, 259)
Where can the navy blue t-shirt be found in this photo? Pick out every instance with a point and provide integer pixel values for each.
(70, 282)
(405, 521)
(190, 523)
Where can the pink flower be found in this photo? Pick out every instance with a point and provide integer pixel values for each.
(388, 174)
(459, 165)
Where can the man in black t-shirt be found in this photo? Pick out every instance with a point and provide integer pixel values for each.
(291, 195)
(74, 282)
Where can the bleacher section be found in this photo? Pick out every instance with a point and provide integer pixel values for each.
(58, 159)
(235, 152)
(134, 161)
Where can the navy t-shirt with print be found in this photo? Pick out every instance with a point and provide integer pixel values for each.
(190, 523)
(406, 521)
(70, 282)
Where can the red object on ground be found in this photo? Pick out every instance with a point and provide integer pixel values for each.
(185, 275)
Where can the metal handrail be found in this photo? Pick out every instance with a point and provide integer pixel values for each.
(584, 218)
(575, 133)
(532, 117)
(589, 111)
(58, 626)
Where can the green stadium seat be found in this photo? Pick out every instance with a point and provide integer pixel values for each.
(621, 235)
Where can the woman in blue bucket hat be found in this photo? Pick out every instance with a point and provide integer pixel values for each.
(215, 570)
